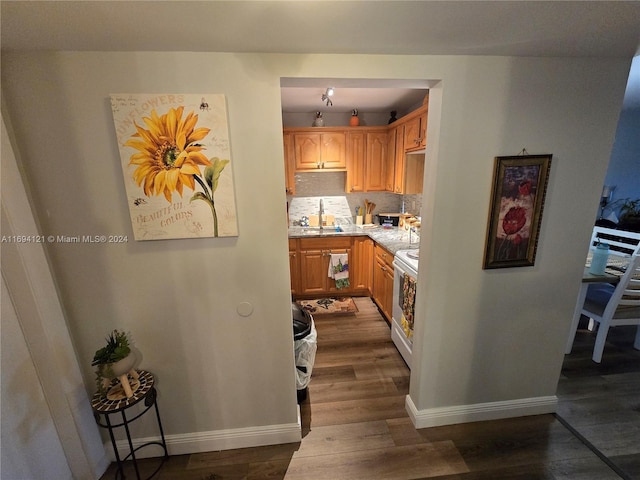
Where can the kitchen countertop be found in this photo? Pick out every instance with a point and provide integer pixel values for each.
(393, 239)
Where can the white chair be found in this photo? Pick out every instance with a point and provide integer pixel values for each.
(621, 242)
(615, 305)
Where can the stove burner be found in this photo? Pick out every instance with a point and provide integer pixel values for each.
(415, 254)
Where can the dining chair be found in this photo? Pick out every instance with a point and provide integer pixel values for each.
(621, 242)
(615, 305)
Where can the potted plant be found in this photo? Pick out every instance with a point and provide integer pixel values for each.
(629, 214)
(114, 359)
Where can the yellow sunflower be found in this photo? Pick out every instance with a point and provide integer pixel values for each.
(169, 154)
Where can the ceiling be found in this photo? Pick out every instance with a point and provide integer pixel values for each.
(396, 27)
(304, 95)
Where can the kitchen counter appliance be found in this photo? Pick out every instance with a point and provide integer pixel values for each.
(405, 263)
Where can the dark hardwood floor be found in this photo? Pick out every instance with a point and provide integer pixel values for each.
(355, 425)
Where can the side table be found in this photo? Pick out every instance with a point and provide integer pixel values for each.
(103, 407)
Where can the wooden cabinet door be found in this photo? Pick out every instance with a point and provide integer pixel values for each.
(333, 151)
(289, 165)
(315, 256)
(412, 139)
(356, 147)
(314, 265)
(387, 295)
(317, 151)
(399, 163)
(415, 137)
(376, 164)
(383, 280)
(423, 129)
(392, 145)
(307, 150)
(294, 266)
(361, 268)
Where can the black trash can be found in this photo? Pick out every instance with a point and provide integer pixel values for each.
(305, 340)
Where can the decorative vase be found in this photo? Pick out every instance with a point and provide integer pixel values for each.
(319, 121)
(354, 121)
(124, 366)
(121, 370)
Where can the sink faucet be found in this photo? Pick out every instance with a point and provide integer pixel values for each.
(320, 214)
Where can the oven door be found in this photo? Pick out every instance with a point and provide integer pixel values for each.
(399, 335)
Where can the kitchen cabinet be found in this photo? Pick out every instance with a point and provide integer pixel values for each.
(361, 268)
(383, 280)
(398, 161)
(376, 162)
(408, 166)
(294, 266)
(315, 150)
(356, 151)
(366, 160)
(315, 255)
(289, 165)
(415, 130)
(392, 142)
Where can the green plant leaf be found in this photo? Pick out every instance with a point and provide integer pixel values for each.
(198, 196)
(212, 172)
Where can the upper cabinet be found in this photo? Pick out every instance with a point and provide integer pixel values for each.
(378, 158)
(415, 129)
(366, 159)
(356, 152)
(289, 165)
(319, 150)
(376, 162)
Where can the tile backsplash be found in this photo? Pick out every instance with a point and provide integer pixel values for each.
(329, 186)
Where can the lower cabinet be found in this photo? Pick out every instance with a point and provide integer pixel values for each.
(294, 266)
(362, 265)
(383, 280)
(309, 260)
(315, 255)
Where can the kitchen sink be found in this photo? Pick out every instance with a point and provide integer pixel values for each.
(317, 231)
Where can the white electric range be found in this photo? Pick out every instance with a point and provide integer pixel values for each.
(405, 262)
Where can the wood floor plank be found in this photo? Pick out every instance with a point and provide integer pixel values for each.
(396, 463)
(355, 425)
(354, 390)
(339, 373)
(345, 438)
(354, 411)
(242, 456)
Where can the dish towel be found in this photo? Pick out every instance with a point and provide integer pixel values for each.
(408, 303)
(339, 269)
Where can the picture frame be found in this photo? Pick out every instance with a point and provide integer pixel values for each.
(176, 162)
(515, 213)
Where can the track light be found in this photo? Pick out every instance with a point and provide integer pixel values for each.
(326, 95)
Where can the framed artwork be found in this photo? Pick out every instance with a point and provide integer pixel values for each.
(176, 162)
(515, 214)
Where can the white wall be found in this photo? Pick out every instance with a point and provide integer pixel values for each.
(624, 166)
(30, 444)
(488, 336)
(47, 423)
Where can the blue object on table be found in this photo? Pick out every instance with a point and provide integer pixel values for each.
(599, 260)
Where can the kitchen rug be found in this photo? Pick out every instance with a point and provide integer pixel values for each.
(329, 306)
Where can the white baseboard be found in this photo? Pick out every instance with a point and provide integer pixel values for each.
(434, 417)
(181, 444)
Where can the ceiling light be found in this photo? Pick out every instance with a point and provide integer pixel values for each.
(326, 95)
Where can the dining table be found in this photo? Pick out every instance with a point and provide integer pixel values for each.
(616, 265)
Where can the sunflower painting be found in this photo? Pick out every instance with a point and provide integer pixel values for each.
(177, 165)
